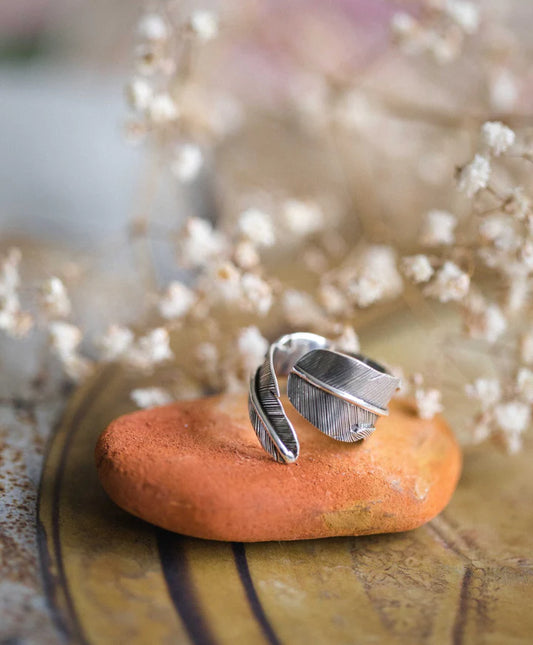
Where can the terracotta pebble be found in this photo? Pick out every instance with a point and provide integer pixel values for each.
(196, 468)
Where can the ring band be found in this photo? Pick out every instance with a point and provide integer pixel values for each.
(340, 394)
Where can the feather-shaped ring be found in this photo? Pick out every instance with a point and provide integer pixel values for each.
(341, 394)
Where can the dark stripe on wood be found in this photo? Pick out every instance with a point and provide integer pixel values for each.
(241, 562)
(460, 619)
(68, 624)
(50, 584)
(180, 587)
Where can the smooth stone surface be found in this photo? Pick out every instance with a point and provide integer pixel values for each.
(197, 468)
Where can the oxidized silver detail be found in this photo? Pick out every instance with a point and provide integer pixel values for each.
(340, 394)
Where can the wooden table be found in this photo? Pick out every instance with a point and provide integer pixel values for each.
(466, 577)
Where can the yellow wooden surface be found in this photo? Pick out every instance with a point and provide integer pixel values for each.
(464, 578)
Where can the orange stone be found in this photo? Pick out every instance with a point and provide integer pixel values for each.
(197, 468)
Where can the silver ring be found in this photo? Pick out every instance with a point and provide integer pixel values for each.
(340, 394)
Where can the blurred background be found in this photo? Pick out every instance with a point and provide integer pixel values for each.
(65, 172)
(69, 182)
(73, 191)
(84, 204)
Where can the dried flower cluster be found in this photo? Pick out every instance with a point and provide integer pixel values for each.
(488, 271)
(13, 319)
(442, 30)
(439, 29)
(230, 291)
(167, 105)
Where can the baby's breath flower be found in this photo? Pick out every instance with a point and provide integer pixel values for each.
(65, 339)
(512, 418)
(187, 162)
(403, 23)
(150, 397)
(438, 228)
(445, 47)
(497, 136)
(474, 176)
(78, 368)
(226, 280)
(524, 382)
(115, 343)
(417, 268)
(503, 90)
(252, 347)
(497, 229)
(156, 345)
(442, 34)
(16, 324)
(139, 94)
(248, 290)
(55, 298)
(9, 271)
(465, 14)
(257, 293)
(257, 227)
(153, 27)
(408, 33)
(483, 321)
(302, 218)
(366, 290)
(332, 299)
(428, 402)
(487, 391)
(204, 24)
(513, 442)
(162, 109)
(13, 320)
(348, 340)
(450, 283)
(177, 301)
(374, 277)
(149, 350)
(245, 255)
(200, 243)
(482, 428)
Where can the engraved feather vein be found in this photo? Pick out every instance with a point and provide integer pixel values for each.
(354, 377)
(268, 417)
(341, 395)
(331, 415)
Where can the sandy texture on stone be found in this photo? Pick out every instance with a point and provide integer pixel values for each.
(196, 467)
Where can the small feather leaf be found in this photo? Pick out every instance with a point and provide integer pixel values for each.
(270, 422)
(365, 382)
(330, 414)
